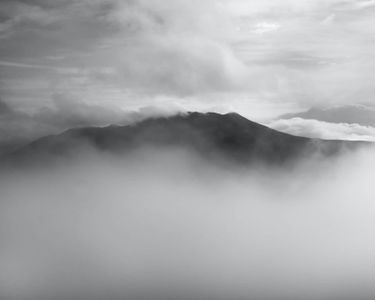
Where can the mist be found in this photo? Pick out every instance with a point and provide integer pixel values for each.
(167, 224)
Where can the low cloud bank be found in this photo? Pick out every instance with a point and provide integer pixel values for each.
(324, 130)
(167, 224)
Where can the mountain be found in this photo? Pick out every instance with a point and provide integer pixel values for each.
(354, 114)
(228, 137)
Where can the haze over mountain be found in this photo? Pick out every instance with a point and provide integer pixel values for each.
(228, 137)
(154, 211)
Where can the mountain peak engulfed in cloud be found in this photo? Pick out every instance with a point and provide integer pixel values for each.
(228, 137)
(179, 198)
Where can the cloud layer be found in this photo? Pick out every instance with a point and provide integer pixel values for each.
(162, 225)
(191, 47)
(324, 130)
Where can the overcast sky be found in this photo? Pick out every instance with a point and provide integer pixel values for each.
(258, 57)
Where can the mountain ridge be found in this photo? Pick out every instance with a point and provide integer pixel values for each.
(225, 136)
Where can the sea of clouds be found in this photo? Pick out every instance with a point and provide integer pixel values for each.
(167, 224)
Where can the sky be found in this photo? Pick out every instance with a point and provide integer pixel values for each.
(66, 62)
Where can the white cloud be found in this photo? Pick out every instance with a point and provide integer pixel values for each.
(264, 27)
(324, 130)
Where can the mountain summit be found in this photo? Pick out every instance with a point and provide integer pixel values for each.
(229, 136)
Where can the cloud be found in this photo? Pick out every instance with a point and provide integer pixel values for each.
(178, 47)
(33, 66)
(355, 114)
(264, 27)
(19, 125)
(324, 130)
(160, 225)
(309, 61)
(128, 54)
(141, 47)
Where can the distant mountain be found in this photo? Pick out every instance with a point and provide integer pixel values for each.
(355, 114)
(228, 137)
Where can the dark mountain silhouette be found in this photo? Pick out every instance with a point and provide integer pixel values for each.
(354, 114)
(214, 136)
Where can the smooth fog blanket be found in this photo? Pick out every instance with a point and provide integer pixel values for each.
(161, 224)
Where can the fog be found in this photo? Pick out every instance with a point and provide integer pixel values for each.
(165, 223)
(168, 225)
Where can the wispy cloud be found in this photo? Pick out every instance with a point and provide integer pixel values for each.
(30, 66)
